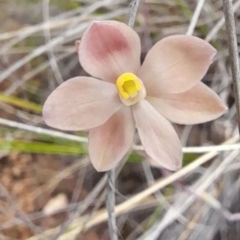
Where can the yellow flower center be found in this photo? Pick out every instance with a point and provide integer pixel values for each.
(128, 85)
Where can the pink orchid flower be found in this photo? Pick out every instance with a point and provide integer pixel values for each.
(122, 94)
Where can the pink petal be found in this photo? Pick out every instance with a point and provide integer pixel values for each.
(175, 64)
(109, 49)
(81, 103)
(158, 137)
(197, 105)
(110, 142)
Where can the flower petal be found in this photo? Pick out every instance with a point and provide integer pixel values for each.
(109, 49)
(197, 105)
(110, 142)
(175, 64)
(81, 103)
(158, 137)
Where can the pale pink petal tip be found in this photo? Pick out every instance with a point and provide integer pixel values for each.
(156, 164)
(176, 64)
(110, 142)
(197, 105)
(158, 137)
(109, 49)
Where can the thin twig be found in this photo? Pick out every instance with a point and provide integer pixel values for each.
(40, 130)
(112, 225)
(133, 8)
(201, 149)
(233, 52)
(195, 17)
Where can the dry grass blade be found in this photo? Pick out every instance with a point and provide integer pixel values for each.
(195, 17)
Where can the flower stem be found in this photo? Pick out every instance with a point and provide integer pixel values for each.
(112, 225)
(233, 51)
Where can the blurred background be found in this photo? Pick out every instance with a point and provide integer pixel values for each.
(48, 188)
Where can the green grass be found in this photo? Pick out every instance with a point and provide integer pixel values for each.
(39, 147)
(66, 148)
(21, 103)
